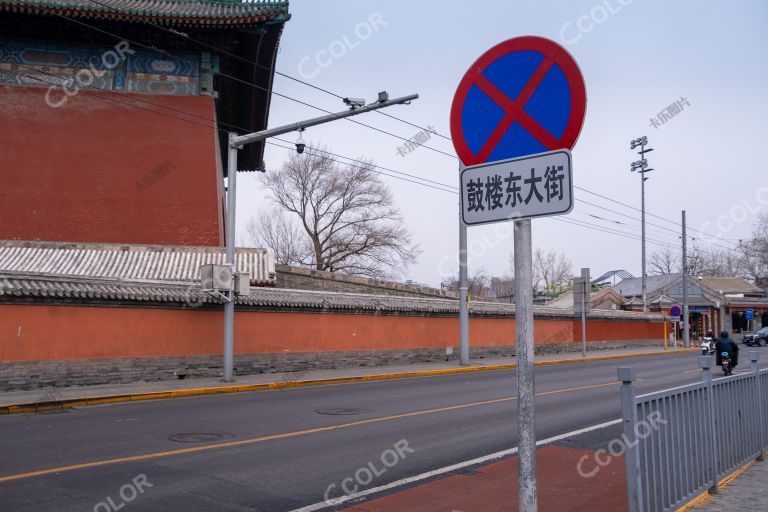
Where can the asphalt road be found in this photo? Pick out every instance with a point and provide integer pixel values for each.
(280, 450)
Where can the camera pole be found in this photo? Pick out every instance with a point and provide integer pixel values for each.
(237, 142)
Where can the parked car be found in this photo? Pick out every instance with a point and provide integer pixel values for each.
(756, 339)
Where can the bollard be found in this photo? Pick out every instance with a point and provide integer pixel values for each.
(632, 454)
(706, 377)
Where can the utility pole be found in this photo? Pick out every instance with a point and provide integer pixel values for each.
(236, 142)
(641, 166)
(686, 314)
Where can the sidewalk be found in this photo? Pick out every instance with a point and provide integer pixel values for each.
(493, 487)
(57, 398)
(747, 493)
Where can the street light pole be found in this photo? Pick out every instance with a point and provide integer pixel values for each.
(641, 166)
(235, 143)
(686, 313)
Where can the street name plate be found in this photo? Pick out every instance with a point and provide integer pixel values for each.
(538, 185)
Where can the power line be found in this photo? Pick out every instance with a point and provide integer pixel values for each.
(234, 78)
(326, 91)
(267, 68)
(652, 215)
(104, 97)
(305, 103)
(454, 189)
(430, 183)
(312, 151)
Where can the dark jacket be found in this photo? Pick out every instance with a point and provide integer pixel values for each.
(727, 345)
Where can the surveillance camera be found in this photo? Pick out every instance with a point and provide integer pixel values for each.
(355, 102)
(300, 144)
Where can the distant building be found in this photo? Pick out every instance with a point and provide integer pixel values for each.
(607, 298)
(715, 303)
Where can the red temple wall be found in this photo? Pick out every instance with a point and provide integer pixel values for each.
(109, 167)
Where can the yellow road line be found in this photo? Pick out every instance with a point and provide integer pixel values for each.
(157, 395)
(285, 435)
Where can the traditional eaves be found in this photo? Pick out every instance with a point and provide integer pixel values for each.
(200, 13)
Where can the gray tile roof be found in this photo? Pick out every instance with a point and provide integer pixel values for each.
(125, 263)
(31, 288)
(634, 287)
(56, 272)
(204, 13)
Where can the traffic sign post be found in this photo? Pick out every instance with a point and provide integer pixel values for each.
(516, 113)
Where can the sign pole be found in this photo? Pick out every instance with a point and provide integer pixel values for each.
(463, 289)
(526, 433)
(517, 174)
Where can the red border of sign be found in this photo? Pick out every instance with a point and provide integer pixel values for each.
(551, 50)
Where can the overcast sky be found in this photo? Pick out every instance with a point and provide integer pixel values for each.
(637, 57)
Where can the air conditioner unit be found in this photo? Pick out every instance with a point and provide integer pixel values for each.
(242, 283)
(215, 277)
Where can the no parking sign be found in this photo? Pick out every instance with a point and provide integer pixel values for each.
(523, 96)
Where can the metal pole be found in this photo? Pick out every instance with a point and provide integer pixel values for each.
(238, 141)
(526, 425)
(686, 315)
(642, 202)
(586, 291)
(229, 306)
(584, 321)
(754, 358)
(711, 446)
(632, 454)
(241, 140)
(463, 289)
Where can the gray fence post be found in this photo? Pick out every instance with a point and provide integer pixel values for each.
(632, 454)
(706, 376)
(754, 357)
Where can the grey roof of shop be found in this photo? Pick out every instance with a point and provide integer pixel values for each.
(152, 264)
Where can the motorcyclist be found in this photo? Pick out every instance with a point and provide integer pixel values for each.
(726, 344)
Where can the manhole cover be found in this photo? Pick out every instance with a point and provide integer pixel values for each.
(195, 437)
(338, 411)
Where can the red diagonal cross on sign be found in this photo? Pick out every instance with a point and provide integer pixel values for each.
(514, 111)
(514, 108)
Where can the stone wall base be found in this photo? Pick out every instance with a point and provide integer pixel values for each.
(42, 374)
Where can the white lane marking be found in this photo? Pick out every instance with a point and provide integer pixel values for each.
(448, 469)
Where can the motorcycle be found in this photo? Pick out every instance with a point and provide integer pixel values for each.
(726, 363)
(708, 346)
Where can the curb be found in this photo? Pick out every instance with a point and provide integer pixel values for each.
(55, 405)
(725, 482)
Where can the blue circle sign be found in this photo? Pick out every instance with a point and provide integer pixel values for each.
(521, 97)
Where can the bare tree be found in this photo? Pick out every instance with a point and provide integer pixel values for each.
(278, 232)
(346, 214)
(502, 286)
(551, 269)
(755, 253)
(664, 261)
(721, 262)
(477, 281)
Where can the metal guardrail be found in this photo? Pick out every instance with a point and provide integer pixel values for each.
(680, 442)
